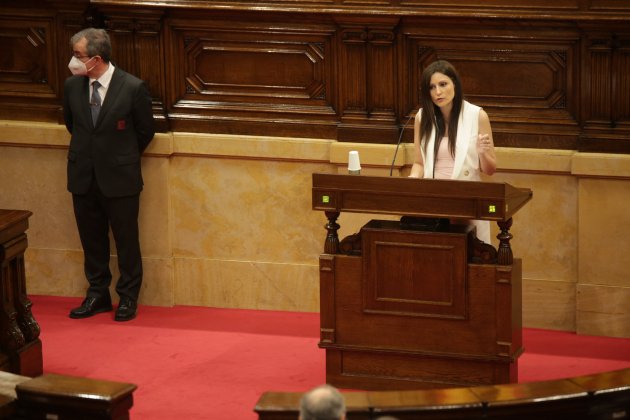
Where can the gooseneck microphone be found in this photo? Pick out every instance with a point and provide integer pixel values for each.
(391, 169)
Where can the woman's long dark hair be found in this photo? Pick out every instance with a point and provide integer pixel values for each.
(431, 115)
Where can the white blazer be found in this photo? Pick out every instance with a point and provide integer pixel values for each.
(466, 166)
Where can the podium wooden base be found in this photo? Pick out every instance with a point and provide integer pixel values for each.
(372, 370)
(411, 312)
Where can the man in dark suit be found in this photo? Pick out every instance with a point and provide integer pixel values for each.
(108, 113)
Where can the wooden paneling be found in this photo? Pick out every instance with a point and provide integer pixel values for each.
(262, 77)
(367, 349)
(367, 82)
(421, 274)
(606, 81)
(551, 75)
(27, 67)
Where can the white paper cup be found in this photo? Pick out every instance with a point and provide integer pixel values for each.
(354, 165)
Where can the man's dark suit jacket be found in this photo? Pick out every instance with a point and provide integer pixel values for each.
(110, 150)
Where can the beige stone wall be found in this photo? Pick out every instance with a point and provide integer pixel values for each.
(226, 221)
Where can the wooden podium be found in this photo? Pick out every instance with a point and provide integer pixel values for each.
(420, 303)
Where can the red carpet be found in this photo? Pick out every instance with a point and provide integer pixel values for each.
(206, 363)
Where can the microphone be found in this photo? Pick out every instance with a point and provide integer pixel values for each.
(391, 169)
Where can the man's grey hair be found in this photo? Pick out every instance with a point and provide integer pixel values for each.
(322, 403)
(98, 42)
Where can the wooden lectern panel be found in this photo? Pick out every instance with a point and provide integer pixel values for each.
(478, 333)
(415, 273)
(400, 350)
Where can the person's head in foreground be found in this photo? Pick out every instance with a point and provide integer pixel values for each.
(323, 403)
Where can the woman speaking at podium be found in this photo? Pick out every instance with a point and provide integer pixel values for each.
(452, 137)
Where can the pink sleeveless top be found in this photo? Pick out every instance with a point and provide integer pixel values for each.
(444, 163)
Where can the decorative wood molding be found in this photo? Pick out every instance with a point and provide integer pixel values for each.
(551, 75)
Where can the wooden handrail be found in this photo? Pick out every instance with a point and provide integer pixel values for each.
(604, 395)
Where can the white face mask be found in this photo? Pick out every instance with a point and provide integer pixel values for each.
(78, 67)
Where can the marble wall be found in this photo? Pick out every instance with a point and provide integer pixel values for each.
(226, 221)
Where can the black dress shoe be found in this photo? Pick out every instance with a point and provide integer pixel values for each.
(126, 310)
(91, 306)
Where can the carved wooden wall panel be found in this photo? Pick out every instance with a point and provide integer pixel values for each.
(550, 74)
(27, 66)
(606, 87)
(247, 77)
(367, 80)
(621, 84)
(352, 64)
(417, 275)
